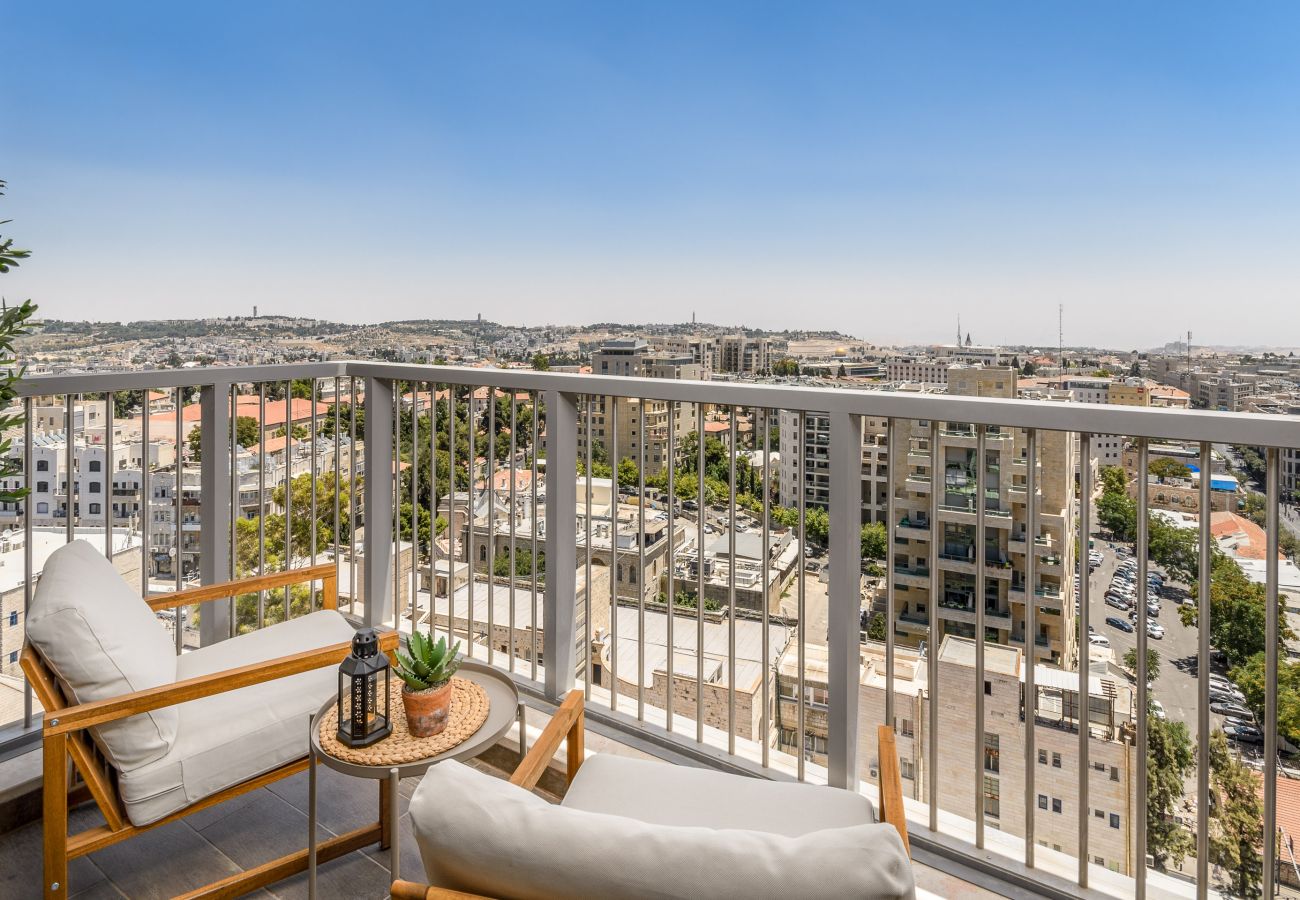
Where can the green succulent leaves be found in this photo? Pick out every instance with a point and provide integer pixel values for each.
(426, 664)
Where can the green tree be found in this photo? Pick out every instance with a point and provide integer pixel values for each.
(1153, 662)
(875, 541)
(876, 627)
(628, 473)
(1237, 612)
(785, 367)
(1236, 818)
(1164, 467)
(1249, 676)
(540, 362)
(14, 323)
(1170, 760)
(247, 434)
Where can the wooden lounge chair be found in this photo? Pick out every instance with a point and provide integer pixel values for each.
(155, 736)
(461, 817)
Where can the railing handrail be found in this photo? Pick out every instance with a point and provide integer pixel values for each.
(1259, 429)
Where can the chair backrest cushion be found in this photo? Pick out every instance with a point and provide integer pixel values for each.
(101, 640)
(483, 835)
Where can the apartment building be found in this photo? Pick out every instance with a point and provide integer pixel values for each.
(742, 355)
(1107, 449)
(702, 351)
(1007, 542)
(1112, 756)
(635, 427)
(919, 369)
(1223, 392)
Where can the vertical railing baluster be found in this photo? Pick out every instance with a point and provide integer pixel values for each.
(177, 511)
(288, 495)
(415, 509)
(764, 563)
(981, 503)
(261, 499)
(1141, 552)
(615, 566)
(146, 501)
(29, 579)
(354, 489)
(1203, 680)
(701, 513)
(214, 502)
(232, 446)
(560, 604)
(395, 520)
(670, 677)
(1031, 638)
(1272, 491)
(587, 593)
(932, 645)
(471, 421)
(338, 486)
(801, 630)
(844, 610)
(377, 542)
(107, 505)
(433, 515)
(315, 449)
(532, 599)
(489, 477)
(453, 533)
(1082, 707)
(640, 553)
(731, 584)
(514, 519)
(891, 526)
(69, 463)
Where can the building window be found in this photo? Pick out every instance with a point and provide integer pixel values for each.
(43, 508)
(13, 618)
(94, 487)
(991, 752)
(1114, 820)
(988, 689)
(94, 509)
(42, 487)
(1056, 804)
(992, 802)
(1042, 801)
(1114, 774)
(94, 465)
(907, 769)
(42, 465)
(1056, 760)
(1042, 757)
(13, 657)
(905, 728)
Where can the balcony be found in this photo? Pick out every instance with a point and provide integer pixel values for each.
(628, 656)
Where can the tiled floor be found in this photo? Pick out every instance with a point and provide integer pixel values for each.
(253, 829)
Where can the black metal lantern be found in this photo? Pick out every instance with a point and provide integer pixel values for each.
(363, 680)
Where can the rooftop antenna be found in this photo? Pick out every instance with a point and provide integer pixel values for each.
(1189, 355)
(959, 330)
(1060, 334)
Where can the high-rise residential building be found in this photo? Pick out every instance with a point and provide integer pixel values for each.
(925, 370)
(742, 355)
(633, 427)
(1112, 754)
(703, 351)
(1007, 541)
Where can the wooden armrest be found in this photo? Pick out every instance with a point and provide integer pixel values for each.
(84, 715)
(323, 572)
(568, 722)
(409, 890)
(891, 785)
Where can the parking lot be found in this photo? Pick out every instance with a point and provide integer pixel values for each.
(1174, 687)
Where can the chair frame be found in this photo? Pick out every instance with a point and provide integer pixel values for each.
(567, 725)
(64, 737)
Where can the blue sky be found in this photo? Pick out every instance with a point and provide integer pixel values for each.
(877, 168)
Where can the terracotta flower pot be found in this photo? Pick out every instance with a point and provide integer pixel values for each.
(427, 711)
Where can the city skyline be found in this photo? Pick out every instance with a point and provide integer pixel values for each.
(879, 171)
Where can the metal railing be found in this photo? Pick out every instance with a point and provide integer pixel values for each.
(470, 524)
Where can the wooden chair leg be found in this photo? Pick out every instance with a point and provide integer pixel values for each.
(55, 815)
(385, 832)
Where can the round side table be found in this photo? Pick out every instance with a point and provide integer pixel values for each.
(504, 710)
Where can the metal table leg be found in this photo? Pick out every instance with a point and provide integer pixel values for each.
(394, 838)
(523, 731)
(311, 811)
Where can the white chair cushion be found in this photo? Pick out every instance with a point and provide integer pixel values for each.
(481, 834)
(228, 738)
(101, 640)
(661, 794)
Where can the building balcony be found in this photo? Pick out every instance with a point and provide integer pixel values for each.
(526, 624)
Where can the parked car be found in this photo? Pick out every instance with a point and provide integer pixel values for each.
(1116, 601)
(1158, 709)
(1227, 708)
(1099, 640)
(1222, 681)
(1153, 609)
(1155, 630)
(1246, 734)
(1117, 622)
(1228, 695)
(1238, 720)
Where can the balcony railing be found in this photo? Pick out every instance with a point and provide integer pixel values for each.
(471, 521)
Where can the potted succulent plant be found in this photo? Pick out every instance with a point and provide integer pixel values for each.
(427, 669)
